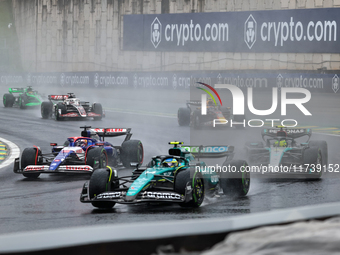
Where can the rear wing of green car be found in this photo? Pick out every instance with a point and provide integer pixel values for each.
(16, 90)
(210, 151)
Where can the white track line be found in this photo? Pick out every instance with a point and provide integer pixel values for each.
(14, 152)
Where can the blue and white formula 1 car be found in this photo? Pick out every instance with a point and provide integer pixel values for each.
(283, 155)
(179, 177)
(82, 154)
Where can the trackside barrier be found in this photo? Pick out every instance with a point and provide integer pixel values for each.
(144, 238)
(314, 81)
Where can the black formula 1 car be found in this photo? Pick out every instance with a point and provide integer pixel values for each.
(216, 115)
(22, 98)
(82, 154)
(68, 106)
(179, 177)
(282, 155)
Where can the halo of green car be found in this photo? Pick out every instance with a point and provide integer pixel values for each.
(22, 98)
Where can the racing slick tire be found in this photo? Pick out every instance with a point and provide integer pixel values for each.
(98, 109)
(8, 100)
(182, 178)
(62, 107)
(132, 152)
(46, 109)
(96, 158)
(183, 116)
(324, 149)
(235, 183)
(98, 184)
(312, 163)
(23, 101)
(29, 157)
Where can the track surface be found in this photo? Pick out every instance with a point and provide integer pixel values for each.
(53, 201)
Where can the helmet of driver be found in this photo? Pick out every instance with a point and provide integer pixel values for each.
(170, 162)
(210, 102)
(82, 142)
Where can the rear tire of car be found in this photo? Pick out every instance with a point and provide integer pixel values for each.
(96, 158)
(98, 109)
(324, 149)
(182, 178)
(132, 152)
(183, 116)
(22, 101)
(235, 183)
(8, 100)
(46, 109)
(29, 157)
(62, 107)
(312, 160)
(98, 184)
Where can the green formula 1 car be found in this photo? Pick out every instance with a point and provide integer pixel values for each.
(22, 97)
(179, 177)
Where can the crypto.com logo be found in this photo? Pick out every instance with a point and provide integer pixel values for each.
(250, 28)
(335, 83)
(156, 32)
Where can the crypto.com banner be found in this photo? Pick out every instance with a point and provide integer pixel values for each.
(284, 31)
(263, 80)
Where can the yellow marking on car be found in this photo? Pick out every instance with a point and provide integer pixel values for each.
(177, 169)
(3, 151)
(110, 172)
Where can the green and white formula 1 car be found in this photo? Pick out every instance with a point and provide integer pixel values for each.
(178, 177)
(22, 98)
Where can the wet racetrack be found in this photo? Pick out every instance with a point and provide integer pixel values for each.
(52, 201)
